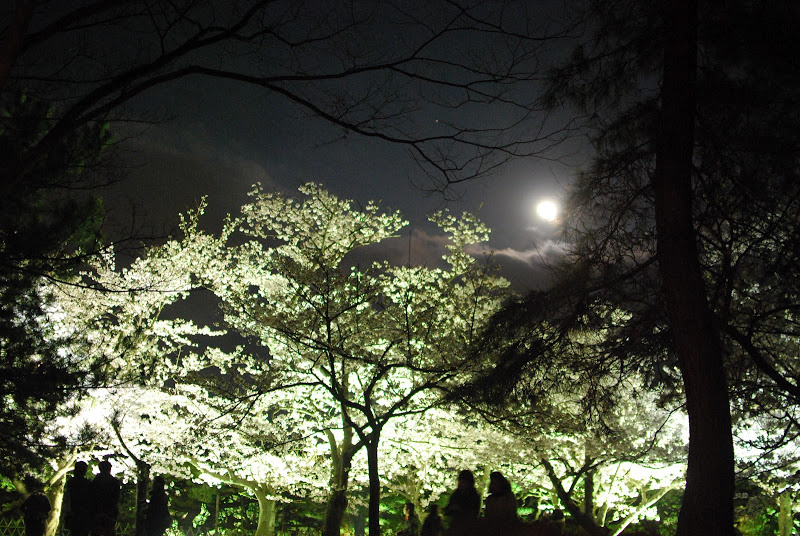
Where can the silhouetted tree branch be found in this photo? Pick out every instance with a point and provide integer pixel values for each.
(453, 82)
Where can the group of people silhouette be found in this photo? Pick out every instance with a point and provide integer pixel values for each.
(464, 513)
(92, 506)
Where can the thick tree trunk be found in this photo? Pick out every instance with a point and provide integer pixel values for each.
(54, 489)
(707, 507)
(56, 496)
(334, 514)
(341, 458)
(374, 515)
(266, 512)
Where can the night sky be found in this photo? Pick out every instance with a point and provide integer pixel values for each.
(220, 137)
(225, 137)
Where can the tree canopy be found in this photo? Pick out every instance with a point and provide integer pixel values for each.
(678, 230)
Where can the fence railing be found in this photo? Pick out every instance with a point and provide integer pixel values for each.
(10, 526)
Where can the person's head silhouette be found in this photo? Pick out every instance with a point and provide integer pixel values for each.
(466, 479)
(105, 467)
(80, 468)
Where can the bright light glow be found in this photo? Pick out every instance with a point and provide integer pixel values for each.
(547, 210)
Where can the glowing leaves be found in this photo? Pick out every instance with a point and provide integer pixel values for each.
(463, 232)
(320, 226)
(292, 287)
(350, 347)
(116, 316)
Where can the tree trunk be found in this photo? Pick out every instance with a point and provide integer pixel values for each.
(56, 496)
(216, 514)
(341, 458)
(708, 500)
(413, 487)
(54, 489)
(337, 503)
(785, 518)
(359, 524)
(602, 512)
(266, 507)
(266, 512)
(483, 489)
(374, 514)
(142, 477)
(142, 483)
(588, 494)
(584, 520)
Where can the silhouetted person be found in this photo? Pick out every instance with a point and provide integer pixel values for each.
(77, 506)
(156, 516)
(34, 511)
(500, 506)
(410, 521)
(433, 525)
(464, 506)
(104, 494)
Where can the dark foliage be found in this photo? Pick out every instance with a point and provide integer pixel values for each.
(47, 226)
(746, 202)
(745, 197)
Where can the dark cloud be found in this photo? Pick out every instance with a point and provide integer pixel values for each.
(165, 179)
(219, 151)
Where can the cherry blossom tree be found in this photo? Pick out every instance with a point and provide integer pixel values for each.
(424, 453)
(373, 344)
(768, 465)
(185, 433)
(587, 420)
(119, 315)
(114, 327)
(638, 450)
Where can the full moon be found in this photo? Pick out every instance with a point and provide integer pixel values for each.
(547, 210)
